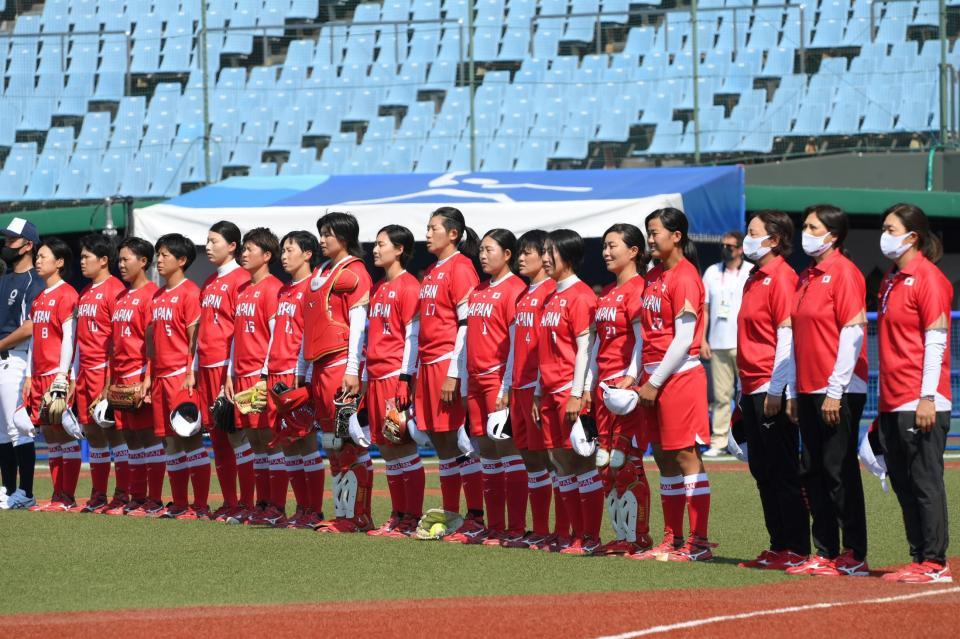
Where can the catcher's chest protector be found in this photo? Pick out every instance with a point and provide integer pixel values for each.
(325, 334)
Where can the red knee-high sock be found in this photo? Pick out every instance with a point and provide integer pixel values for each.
(590, 488)
(571, 501)
(179, 479)
(673, 500)
(121, 469)
(471, 476)
(494, 493)
(55, 461)
(414, 481)
(261, 475)
(450, 483)
(561, 526)
(314, 475)
(368, 494)
(515, 481)
(279, 480)
(155, 461)
(243, 454)
(225, 463)
(99, 470)
(297, 480)
(697, 493)
(397, 486)
(71, 467)
(138, 475)
(540, 487)
(198, 465)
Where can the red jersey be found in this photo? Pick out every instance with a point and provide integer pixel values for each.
(617, 310)
(131, 316)
(94, 325)
(256, 306)
(217, 308)
(567, 314)
(490, 312)
(174, 311)
(526, 362)
(444, 286)
(911, 300)
(665, 294)
(828, 296)
(767, 302)
(288, 329)
(50, 309)
(393, 306)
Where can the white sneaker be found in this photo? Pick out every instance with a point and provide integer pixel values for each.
(714, 452)
(19, 500)
(3, 498)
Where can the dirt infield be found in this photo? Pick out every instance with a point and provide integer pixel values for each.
(843, 607)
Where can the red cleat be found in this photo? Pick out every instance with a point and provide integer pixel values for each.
(96, 502)
(896, 575)
(534, 541)
(766, 560)
(665, 547)
(388, 526)
(148, 508)
(269, 516)
(172, 511)
(494, 538)
(221, 513)
(816, 566)
(694, 549)
(848, 566)
(585, 546)
(118, 502)
(293, 519)
(619, 547)
(311, 520)
(240, 516)
(929, 572)
(345, 525)
(472, 531)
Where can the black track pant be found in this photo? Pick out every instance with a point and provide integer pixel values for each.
(830, 475)
(773, 453)
(915, 466)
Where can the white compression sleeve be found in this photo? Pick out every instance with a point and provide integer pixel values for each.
(303, 366)
(676, 354)
(458, 363)
(851, 339)
(593, 371)
(581, 362)
(411, 343)
(508, 373)
(66, 346)
(358, 327)
(266, 359)
(934, 346)
(633, 368)
(784, 370)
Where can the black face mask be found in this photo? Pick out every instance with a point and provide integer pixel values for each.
(726, 253)
(9, 254)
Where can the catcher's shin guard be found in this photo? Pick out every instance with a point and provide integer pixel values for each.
(352, 484)
(630, 510)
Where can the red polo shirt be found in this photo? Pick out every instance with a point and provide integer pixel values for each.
(767, 302)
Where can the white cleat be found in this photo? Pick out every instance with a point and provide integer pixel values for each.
(19, 501)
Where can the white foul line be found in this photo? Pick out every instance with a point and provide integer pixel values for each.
(653, 630)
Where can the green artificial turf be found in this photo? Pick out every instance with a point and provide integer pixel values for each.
(88, 562)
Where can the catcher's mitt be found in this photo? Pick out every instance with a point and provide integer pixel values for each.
(437, 523)
(124, 396)
(395, 426)
(252, 400)
(346, 406)
(223, 415)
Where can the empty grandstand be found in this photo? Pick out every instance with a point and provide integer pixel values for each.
(123, 97)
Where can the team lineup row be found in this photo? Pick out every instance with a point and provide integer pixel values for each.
(529, 386)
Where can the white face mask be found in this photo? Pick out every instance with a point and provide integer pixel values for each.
(892, 246)
(814, 245)
(752, 248)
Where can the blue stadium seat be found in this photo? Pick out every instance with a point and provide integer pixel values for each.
(13, 182)
(844, 119)
(810, 119)
(73, 184)
(42, 184)
(263, 169)
(666, 139)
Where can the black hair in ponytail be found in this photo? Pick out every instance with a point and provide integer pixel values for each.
(402, 237)
(632, 236)
(675, 220)
(508, 242)
(468, 242)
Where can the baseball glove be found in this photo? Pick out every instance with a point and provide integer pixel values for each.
(252, 400)
(124, 396)
(55, 401)
(223, 415)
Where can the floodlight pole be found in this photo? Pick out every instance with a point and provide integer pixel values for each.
(942, 32)
(471, 77)
(206, 91)
(696, 77)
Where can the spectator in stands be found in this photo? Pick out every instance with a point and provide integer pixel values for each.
(811, 147)
(723, 283)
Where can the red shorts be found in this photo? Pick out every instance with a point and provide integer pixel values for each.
(612, 427)
(433, 415)
(290, 380)
(210, 383)
(481, 401)
(378, 392)
(162, 393)
(89, 387)
(527, 434)
(39, 386)
(139, 419)
(553, 420)
(680, 418)
(325, 384)
(253, 421)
